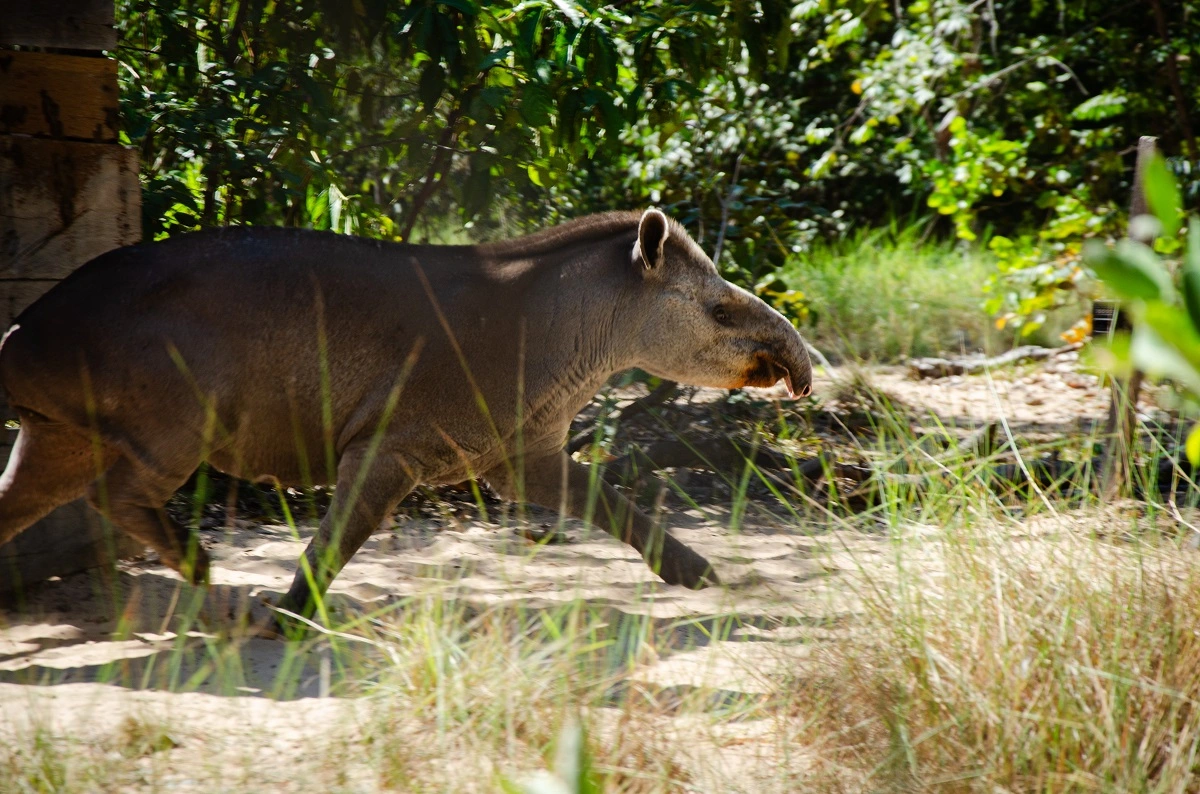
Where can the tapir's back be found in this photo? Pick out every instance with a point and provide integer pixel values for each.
(240, 277)
(265, 323)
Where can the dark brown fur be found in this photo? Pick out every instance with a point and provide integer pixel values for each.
(316, 358)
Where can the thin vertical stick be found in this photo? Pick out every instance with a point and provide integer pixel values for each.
(1116, 471)
(737, 169)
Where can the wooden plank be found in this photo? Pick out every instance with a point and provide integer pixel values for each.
(70, 24)
(61, 204)
(17, 294)
(58, 96)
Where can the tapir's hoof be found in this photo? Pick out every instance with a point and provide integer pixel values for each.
(286, 623)
(194, 569)
(689, 569)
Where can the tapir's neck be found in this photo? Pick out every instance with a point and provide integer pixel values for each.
(577, 310)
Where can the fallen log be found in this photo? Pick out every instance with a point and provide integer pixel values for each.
(665, 391)
(920, 368)
(725, 454)
(718, 454)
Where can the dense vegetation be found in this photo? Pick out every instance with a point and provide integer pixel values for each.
(927, 584)
(772, 124)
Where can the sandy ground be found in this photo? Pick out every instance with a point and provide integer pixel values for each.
(84, 656)
(64, 630)
(80, 656)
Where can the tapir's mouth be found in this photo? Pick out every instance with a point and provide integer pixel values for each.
(766, 370)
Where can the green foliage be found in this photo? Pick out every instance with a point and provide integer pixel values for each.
(1163, 196)
(1166, 338)
(791, 303)
(1100, 107)
(1003, 119)
(977, 166)
(1130, 269)
(371, 117)
(770, 125)
(573, 767)
(1038, 272)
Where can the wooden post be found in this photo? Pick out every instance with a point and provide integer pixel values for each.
(1121, 426)
(68, 193)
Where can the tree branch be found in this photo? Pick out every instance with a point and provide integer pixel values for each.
(436, 173)
(1172, 68)
(919, 368)
(737, 168)
(665, 391)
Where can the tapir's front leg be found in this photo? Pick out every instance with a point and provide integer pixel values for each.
(370, 483)
(560, 483)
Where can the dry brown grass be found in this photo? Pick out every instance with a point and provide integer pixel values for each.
(1057, 663)
(492, 690)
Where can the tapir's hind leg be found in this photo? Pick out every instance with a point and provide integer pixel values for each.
(51, 464)
(132, 498)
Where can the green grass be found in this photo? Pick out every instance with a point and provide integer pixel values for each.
(1020, 644)
(884, 295)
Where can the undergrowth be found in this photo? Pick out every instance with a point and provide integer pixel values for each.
(883, 295)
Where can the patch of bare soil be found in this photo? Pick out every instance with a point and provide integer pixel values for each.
(91, 660)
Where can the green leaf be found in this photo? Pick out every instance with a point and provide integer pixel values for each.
(509, 787)
(1112, 356)
(494, 96)
(1128, 270)
(1191, 258)
(1145, 259)
(464, 6)
(433, 82)
(1193, 446)
(536, 104)
(1162, 195)
(476, 189)
(528, 31)
(1191, 296)
(823, 164)
(1174, 326)
(1191, 273)
(570, 10)
(494, 58)
(572, 761)
(1158, 359)
(1100, 107)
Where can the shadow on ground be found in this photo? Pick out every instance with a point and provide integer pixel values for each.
(143, 628)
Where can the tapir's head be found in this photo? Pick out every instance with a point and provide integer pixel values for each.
(698, 328)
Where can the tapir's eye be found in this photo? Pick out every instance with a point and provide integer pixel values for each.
(721, 315)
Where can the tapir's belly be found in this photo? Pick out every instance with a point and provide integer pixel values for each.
(297, 452)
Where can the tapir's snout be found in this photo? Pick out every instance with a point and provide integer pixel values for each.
(782, 356)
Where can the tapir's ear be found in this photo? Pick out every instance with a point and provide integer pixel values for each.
(652, 236)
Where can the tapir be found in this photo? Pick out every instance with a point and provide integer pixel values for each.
(310, 358)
